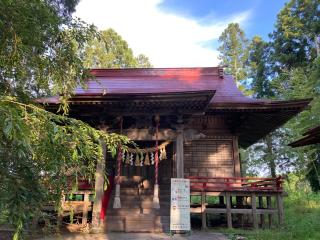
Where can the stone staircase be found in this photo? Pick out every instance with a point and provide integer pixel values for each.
(137, 213)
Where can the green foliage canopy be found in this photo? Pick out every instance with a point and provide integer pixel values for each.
(288, 68)
(259, 68)
(109, 50)
(41, 153)
(39, 48)
(234, 51)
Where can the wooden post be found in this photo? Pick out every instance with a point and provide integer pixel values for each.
(203, 211)
(280, 208)
(99, 182)
(254, 210)
(179, 149)
(85, 208)
(261, 215)
(229, 217)
(240, 205)
(60, 211)
(269, 206)
(117, 200)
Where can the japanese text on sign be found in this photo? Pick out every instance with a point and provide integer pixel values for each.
(180, 204)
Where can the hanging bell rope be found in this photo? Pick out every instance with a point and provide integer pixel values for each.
(155, 202)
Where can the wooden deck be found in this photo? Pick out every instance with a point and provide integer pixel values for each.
(255, 198)
(241, 200)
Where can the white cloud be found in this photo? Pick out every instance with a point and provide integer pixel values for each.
(168, 40)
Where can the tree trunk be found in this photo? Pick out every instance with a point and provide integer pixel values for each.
(270, 156)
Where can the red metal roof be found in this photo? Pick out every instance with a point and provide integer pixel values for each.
(253, 118)
(163, 80)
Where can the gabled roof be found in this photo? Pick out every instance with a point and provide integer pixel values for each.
(133, 90)
(312, 136)
(163, 80)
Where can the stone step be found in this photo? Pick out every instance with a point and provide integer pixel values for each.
(156, 212)
(141, 197)
(138, 223)
(130, 211)
(123, 211)
(114, 223)
(128, 205)
(133, 192)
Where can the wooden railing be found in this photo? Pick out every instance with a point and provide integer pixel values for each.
(208, 184)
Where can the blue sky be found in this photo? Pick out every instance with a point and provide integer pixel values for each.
(261, 22)
(179, 33)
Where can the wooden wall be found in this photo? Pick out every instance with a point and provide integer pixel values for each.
(216, 154)
(209, 158)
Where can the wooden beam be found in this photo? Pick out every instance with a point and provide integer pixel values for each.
(261, 215)
(280, 208)
(99, 189)
(229, 217)
(180, 153)
(85, 208)
(269, 206)
(203, 211)
(254, 210)
(240, 205)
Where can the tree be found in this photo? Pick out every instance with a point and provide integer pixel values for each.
(260, 71)
(109, 50)
(305, 83)
(295, 47)
(287, 68)
(143, 61)
(260, 75)
(41, 53)
(39, 48)
(43, 154)
(234, 51)
(296, 34)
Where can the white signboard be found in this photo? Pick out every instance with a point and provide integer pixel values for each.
(180, 205)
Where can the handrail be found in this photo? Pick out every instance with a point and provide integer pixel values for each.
(235, 184)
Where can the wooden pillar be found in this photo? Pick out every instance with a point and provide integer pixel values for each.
(85, 208)
(229, 217)
(262, 214)
(280, 208)
(239, 200)
(99, 188)
(60, 211)
(179, 153)
(117, 200)
(203, 211)
(254, 210)
(269, 206)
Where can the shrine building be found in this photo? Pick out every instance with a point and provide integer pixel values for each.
(187, 123)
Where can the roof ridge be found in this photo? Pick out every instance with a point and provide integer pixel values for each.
(134, 72)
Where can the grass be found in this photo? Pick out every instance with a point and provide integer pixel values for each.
(302, 218)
